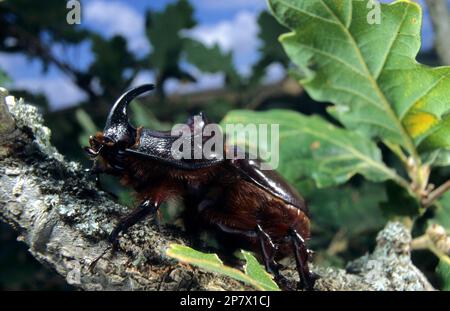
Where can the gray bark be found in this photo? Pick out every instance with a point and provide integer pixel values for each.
(440, 17)
(64, 219)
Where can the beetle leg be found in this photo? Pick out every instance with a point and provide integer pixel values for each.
(268, 248)
(145, 208)
(307, 278)
(268, 251)
(95, 171)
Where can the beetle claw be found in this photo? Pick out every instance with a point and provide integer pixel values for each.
(284, 283)
(309, 281)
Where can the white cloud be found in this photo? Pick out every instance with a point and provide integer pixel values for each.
(143, 77)
(11, 63)
(25, 74)
(205, 81)
(60, 91)
(238, 35)
(274, 73)
(117, 18)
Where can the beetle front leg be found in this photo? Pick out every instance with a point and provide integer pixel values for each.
(307, 278)
(147, 207)
(95, 171)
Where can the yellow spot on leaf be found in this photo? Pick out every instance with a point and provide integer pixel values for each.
(315, 145)
(419, 122)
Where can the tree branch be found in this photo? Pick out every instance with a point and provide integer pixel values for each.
(64, 219)
(436, 194)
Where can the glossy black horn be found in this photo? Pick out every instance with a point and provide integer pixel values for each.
(118, 113)
(117, 126)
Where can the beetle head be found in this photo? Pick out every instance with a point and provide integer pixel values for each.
(118, 133)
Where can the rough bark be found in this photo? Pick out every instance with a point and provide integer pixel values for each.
(64, 219)
(440, 17)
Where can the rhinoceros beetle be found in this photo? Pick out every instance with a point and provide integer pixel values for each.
(248, 207)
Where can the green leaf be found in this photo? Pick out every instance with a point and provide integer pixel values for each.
(163, 31)
(443, 271)
(438, 158)
(87, 124)
(443, 158)
(442, 213)
(369, 71)
(254, 275)
(269, 32)
(3, 78)
(256, 271)
(211, 59)
(347, 216)
(85, 121)
(271, 50)
(442, 218)
(310, 147)
(354, 210)
(112, 61)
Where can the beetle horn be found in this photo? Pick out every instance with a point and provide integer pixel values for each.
(117, 125)
(118, 113)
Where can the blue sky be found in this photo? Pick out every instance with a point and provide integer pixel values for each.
(230, 23)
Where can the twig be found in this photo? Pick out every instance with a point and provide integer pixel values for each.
(436, 241)
(436, 194)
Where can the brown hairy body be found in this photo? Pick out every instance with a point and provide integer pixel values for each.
(236, 205)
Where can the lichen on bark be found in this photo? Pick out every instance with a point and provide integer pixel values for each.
(64, 219)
